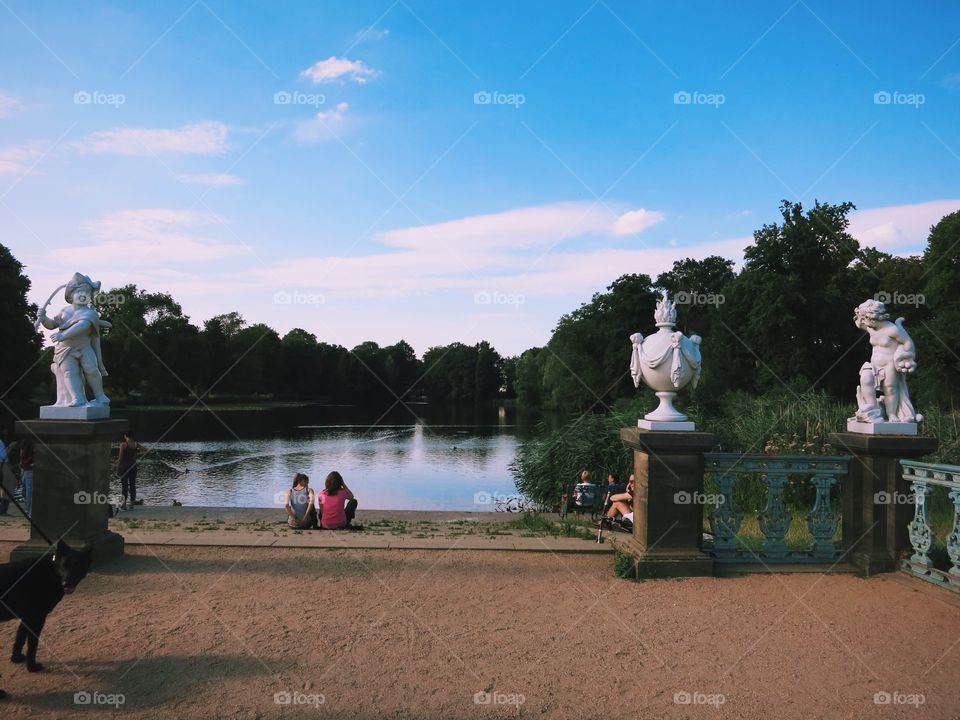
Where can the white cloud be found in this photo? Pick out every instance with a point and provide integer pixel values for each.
(146, 237)
(204, 138)
(324, 126)
(334, 68)
(899, 228)
(20, 158)
(213, 179)
(516, 250)
(540, 225)
(636, 221)
(9, 105)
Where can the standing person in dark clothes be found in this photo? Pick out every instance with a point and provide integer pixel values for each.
(130, 450)
(4, 501)
(26, 475)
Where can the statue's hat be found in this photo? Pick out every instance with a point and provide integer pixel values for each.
(76, 281)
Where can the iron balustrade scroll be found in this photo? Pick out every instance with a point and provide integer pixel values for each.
(775, 471)
(923, 478)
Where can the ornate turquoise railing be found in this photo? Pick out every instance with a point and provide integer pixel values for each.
(823, 471)
(923, 477)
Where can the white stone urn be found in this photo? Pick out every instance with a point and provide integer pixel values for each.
(666, 361)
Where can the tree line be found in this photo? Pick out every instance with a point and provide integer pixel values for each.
(154, 353)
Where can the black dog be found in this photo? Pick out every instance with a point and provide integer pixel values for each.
(31, 589)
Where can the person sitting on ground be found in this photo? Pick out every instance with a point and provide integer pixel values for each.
(584, 493)
(337, 504)
(301, 512)
(614, 486)
(622, 503)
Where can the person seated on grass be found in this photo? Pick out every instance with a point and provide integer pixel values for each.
(300, 510)
(614, 486)
(584, 493)
(337, 504)
(621, 504)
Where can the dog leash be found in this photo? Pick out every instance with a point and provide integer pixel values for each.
(12, 499)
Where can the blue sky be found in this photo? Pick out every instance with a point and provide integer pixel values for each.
(439, 171)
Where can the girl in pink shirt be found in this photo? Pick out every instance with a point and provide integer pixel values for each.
(336, 503)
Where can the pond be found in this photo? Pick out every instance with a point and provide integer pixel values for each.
(415, 457)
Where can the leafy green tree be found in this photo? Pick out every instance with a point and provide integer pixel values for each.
(151, 346)
(462, 373)
(588, 357)
(253, 355)
(787, 315)
(488, 372)
(330, 384)
(509, 370)
(299, 363)
(401, 368)
(529, 382)
(20, 343)
(939, 361)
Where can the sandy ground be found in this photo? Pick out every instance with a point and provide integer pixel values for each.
(229, 632)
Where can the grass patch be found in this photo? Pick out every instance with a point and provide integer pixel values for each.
(622, 564)
(539, 525)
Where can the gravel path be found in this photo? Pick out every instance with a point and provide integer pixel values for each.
(227, 632)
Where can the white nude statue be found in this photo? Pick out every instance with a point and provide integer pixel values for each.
(77, 359)
(882, 395)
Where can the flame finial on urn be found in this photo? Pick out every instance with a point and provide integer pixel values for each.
(666, 313)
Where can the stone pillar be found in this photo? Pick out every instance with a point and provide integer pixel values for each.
(667, 527)
(72, 472)
(875, 514)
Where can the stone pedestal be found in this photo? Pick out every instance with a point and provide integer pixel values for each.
(85, 412)
(875, 508)
(882, 428)
(71, 483)
(661, 426)
(667, 527)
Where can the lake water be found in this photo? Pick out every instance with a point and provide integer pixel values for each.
(414, 458)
